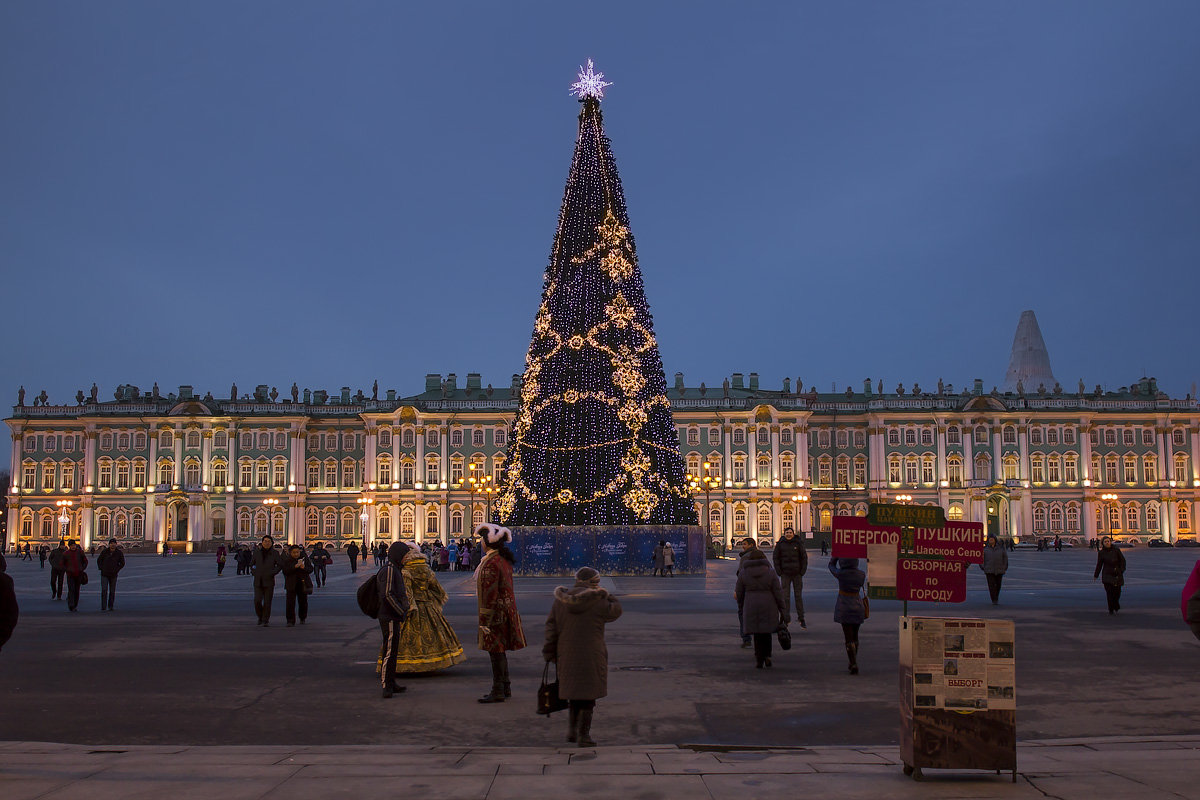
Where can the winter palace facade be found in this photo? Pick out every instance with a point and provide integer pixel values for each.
(195, 471)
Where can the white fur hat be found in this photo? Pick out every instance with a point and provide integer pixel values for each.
(494, 534)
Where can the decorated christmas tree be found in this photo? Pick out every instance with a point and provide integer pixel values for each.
(593, 442)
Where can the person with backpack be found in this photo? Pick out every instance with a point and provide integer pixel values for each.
(75, 563)
(392, 599)
(221, 554)
(499, 623)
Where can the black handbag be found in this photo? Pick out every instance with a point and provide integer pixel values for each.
(83, 579)
(785, 636)
(548, 700)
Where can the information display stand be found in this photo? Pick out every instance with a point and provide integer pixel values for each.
(957, 694)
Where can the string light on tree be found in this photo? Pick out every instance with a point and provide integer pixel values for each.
(593, 441)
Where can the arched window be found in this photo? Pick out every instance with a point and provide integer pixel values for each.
(1039, 517)
(1012, 468)
(166, 439)
(1150, 469)
(983, 467)
(910, 470)
(220, 439)
(330, 518)
(166, 472)
(104, 473)
(262, 523)
(191, 472)
(693, 465)
(927, 472)
(787, 468)
(431, 521)
(1037, 468)
(262, 473)
(314, 473)
(137, 525)
(826, 518)
(893, 469)
(1056, 518)
(787, 516)
(220, 473)
(408, 438)
(953, 435)
(1181, 469)
(406, 522)
(842, 471)
(121, 526)
(1009, 434)
(910, 436)
(1073, 518)
(384, 467)
(1152, 517)
(193, 439)
(739, 521)
(477, 517)
(981, 434)
(103, 525)
(385, 522)
(432, 471)
(456, 521)
(385, 437)
(954, 470)
(739, 469)
(349, 472)
(955, 512)
(714, 520)
(1133, 517)
(764, 471)
(139, 440)
(312, 524)
(350, 524)
(279, 473)
(1183, 517)
(408, 470)
(764, 520)
(243, 523)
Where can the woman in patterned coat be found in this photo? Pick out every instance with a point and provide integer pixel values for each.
(499, 623)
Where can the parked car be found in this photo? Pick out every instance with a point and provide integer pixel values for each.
(1159, 543)
(1187, 543)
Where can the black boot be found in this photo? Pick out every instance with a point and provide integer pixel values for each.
(496, 695)
(504, 675)
(573, 724)
(585, 728)
(852, 654)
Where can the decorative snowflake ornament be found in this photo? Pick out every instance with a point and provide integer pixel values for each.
(590, 83)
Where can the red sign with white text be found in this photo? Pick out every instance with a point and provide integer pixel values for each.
(931, 580)
(959, 541)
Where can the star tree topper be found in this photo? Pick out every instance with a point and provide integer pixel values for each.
(590, 83)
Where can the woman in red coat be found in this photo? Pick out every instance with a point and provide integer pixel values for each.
(499, 622)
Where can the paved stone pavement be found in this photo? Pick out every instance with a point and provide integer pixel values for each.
(1110, 768)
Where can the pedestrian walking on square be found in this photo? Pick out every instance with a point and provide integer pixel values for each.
(575, 642)
(393, 612)
(452, 555)
(747, 545)
(9, 610)
(320, 563)
(427, 642)
(1189, 601)
(75, 563)
(499, 623)
(1110, 569)
(443, 558)
(669, 560)
(27, 557)
(760, 603)
(57, 566)
(297, 584)
(43, 552)
(352, 553)
(791, 563)
(266, 564)
(221, 554)
(110, 561)
(995, 564)
(166, 549)
(849, 610)
(658, 559)
(465, 558)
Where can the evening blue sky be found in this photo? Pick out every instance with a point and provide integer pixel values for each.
(333, 193)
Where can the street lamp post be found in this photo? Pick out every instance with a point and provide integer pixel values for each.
(64, 519)
(709, 479)
(364, 517)
(479, 483)
(1108, 498)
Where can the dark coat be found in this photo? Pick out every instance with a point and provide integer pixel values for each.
(56, 558)
(500, 627)
(393, 597)
(110, 562)
(995, 560)
(267, 564)
(758, 594)
(1110, 566)
(575, 640)
(352, 551)
(75, 562)
(849, 607)
(8, 608)
(295, 572)
(790, 557)
(1190, 601)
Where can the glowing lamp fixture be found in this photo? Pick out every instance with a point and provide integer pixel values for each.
(271, 501)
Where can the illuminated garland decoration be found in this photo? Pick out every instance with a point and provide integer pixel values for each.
(593, 441)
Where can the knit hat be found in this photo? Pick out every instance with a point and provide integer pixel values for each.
(586, 576)
(494, 535)
(396, 552)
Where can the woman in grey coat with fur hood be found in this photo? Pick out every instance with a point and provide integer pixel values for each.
(575, 641)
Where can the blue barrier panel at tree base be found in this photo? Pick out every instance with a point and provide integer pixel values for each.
(613, 550)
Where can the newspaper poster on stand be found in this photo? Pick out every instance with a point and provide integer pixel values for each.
(963, 664)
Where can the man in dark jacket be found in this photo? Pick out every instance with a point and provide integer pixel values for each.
(56, 571)
(75, 563)
(352, 552)
(320, 564)
(791, 562)
(393, 611)
(111, 561)
(8, 604)
(266, 565)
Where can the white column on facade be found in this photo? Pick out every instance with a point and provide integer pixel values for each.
(297, 469)
(370, 474)
(968, 446)
(15, 470)
(802, 455)
(86, 526)
(206, 457)
(394, 520)
(195, 524)
(444, 520)
(444, 467)
(1023, 450)
(727, 523)
(943, 472)
(775, 454)
(1166, 517)
(752, 459)
(162, 522)
(997, 451)
(178, 458)
(1195, 435)
(230, 513)
(1085, 467)
(89, 460)
(419, 471)
(152, 464)
(727, 467)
